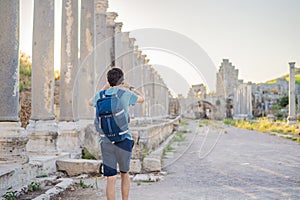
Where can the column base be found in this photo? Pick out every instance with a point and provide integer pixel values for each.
(291, 120)
(42, 136)
(68, 139)
(13, 140)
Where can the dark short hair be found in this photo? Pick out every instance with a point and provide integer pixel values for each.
(115, 76)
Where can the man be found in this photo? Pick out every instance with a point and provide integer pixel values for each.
(118, 152)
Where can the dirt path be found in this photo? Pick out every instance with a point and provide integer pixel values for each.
(214, 163)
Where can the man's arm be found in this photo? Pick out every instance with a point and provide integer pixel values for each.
(106, 86)
(140, 96)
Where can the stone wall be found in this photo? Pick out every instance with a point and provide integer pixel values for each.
(147, 133)
(17, 176)
(227, 79)
(197, 91)
(151, 135)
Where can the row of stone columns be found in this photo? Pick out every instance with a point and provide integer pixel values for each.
(102, 45)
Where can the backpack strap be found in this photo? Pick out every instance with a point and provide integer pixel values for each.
(102, 94)
(120, 93)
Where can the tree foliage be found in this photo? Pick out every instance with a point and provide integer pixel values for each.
(283, 101)
(25, 72)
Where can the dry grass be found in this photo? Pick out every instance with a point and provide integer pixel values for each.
(263, 125)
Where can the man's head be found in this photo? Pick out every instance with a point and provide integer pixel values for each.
(115, 76)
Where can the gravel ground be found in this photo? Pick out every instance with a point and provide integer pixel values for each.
(216, 163)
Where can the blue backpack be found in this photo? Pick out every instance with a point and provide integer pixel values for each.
(110, 118)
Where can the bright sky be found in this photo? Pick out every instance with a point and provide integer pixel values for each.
(259, 37)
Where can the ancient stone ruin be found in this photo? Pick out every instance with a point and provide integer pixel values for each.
(32, 151)
(236, 99)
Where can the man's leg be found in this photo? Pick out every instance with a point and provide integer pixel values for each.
(125, 185)
(111, 187)
(123, 155)
(110, 169)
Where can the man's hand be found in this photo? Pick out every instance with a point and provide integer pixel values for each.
(125, 85)
(91, 102)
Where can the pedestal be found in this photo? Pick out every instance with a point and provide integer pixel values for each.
(68, 139)
(291, 120)
(13, 140)
(42, 136)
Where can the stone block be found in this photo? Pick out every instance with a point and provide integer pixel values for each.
(135, 166)
(65, 183)
(53, 191)
(151, 164)
(90, 138)
(74, 167)
(146, 178)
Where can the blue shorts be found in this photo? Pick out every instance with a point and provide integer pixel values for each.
(113, 153)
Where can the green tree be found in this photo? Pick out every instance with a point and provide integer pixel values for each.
(283, 101)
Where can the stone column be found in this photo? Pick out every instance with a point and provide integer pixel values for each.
(161, 98)
(129, 74)
(158, 94)
(126, 52)
(143, 81)
(13, 138)
(152, 92)
(129, 71)
(86, 73)
(147, 85)
(165, 98)
(137, 81)
(118, 45)
(69, 60)
(292, 107)
(100, 55)
(42, 128)
(110, 39)
(168, 98)
(68, 138)
(250, 108)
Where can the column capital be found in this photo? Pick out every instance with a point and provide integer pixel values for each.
(118, 26)
(292, 64)
(101, 6)
(143, 58)
(136, 48)
(139, 53)
(131, 42)
(110, 19)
